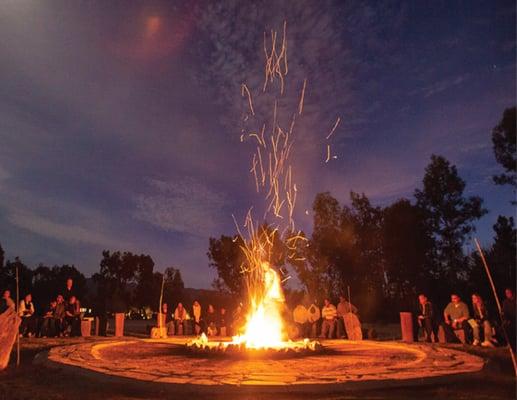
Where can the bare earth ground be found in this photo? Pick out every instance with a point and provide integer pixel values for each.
(37, 383)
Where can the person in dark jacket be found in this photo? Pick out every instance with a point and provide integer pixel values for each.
(73, 317)
(48, 326)
(426, 318)
(69, 290)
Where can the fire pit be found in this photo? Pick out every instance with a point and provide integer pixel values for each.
(237, 349)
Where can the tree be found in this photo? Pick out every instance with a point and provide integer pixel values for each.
(502, 253)
(145, 283)
(449, 217)
(406, 244)
(117, 272)
(8, 276)
(504, 145)
(329, 250)
(226, 257)
(174, 287)
(2, 257)
(49, 282)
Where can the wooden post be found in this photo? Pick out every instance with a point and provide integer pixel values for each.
(160, 306)
(487, 269)
(16, 308)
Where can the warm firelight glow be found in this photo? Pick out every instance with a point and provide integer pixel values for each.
(265, 328)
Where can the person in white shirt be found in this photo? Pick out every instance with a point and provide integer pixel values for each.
(329, 315)
(26, 312)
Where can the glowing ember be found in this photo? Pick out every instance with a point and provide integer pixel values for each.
(272, 173)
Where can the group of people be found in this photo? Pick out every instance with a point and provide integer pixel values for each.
(327, 322)
(460, 324)
(196, 321)
(61, 317)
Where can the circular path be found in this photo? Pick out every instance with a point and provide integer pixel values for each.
(344, 365)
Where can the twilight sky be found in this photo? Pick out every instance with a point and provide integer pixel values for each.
(120, 122)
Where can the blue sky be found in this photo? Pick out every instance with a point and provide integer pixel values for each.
(120, 121)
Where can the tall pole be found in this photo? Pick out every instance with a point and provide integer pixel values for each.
(487, 269)
(160, 309)
(16, 308)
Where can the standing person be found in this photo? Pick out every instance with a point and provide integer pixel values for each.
(480, 319)
(59, 315)
(73, 317)
(27, 312)
(426, 317)
(196, 312)
(329, 315)
(456, 316)
(509, 304)
(48, 326)
(9, 303)
(211, 321)
(180, 316)
(344, 307)
(69, 290)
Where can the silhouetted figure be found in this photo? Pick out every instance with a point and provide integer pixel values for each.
(73, 317)
(426, 318)
(59, 315)
(48, 324)
(211, 321)
(509, 304)
(69, 290)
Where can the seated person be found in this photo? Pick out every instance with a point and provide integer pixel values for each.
(222, 323)
(28, 326)
(301, 319)
(59, 315)
(72, 317)
(509, 315)
(167, 320)
(180, 318)
(48, 326)
(329, 316)
(6, 297)
(480, 319)
(211, 321)
(456, 316)
(425, 317)
(343, 307)
(197, 321)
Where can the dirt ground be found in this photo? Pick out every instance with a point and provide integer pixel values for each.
(37, 383)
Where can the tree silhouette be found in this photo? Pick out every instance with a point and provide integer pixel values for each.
(226, 257)
(406, 244)
(504, 145)
(449, 217)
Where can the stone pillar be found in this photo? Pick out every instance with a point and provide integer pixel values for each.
(119, 324)
(406, 326)
(86, 327)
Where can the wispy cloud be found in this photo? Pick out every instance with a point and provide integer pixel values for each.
(441, 86)
(186, 206)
